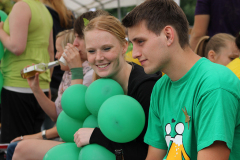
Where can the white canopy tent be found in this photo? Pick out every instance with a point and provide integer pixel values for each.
(81, 6)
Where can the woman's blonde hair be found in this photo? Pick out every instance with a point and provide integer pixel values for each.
(68, 37)
(215, 43)
(109, 24)
(65, 15)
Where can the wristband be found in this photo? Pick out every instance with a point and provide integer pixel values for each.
(77, 73)
(44, 134)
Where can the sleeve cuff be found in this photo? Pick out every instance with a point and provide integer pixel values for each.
(98, 138)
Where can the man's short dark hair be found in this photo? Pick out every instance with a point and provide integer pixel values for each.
(79, 23)
(157, 14)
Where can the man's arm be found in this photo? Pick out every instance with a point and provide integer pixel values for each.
(199, 29)
(155, 153)
(217, 151)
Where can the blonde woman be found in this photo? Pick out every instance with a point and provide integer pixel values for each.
(221, 48)
(62, 19)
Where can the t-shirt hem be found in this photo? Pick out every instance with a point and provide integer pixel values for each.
(44, 85)
(156, 145)
(210, 142)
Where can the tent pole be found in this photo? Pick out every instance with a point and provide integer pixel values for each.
(119, 11)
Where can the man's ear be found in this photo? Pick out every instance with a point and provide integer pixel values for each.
(169, 33)
(211, 55)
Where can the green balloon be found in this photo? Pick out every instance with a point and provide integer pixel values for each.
(90, 122)
(63, 151)
(67, 127)
(121, 118)
(73, 102)
(1, 50)
(1, 84)
(95, 152)
(99, 91)
(3, 15)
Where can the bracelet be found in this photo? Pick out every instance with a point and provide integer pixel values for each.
(77, 73)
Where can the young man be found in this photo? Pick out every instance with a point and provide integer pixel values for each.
(195, 107)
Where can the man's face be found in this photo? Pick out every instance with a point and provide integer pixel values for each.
(149, 48)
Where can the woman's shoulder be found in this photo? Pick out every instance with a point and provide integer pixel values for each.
(139, 73)
(139, 77)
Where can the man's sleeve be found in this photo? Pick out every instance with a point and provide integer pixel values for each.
(155, 133)
(203, 7)
(215, 118)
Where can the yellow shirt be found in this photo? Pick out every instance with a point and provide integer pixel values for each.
(235, 66)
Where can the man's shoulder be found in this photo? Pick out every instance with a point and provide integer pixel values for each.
(215, 76)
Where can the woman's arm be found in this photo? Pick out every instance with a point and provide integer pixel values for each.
(73, 59)
(46, 104)
(135, 149)
(199, 29)
(19, 20)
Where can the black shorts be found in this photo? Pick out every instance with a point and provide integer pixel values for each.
(21, 115)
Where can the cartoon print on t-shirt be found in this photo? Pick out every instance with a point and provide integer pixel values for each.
(177, 150)
(168, 131)
(187, 117)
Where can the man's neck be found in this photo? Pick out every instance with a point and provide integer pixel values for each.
(181, 62)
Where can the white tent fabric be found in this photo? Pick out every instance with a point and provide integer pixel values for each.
(81, 6)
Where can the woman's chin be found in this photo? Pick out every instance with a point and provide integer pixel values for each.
(103, 75)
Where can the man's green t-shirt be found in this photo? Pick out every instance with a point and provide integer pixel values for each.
(188, 115)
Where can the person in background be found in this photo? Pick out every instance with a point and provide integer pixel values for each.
(215, 16)
(106, 47)
(54, 109)
(235, 64)
(62, 19)
(221, 48)
(27, 149)
(27, 36)
(195, 107)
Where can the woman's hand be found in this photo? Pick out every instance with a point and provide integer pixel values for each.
(32, 136)
(72, 56)
(34, 82)
(82, 136)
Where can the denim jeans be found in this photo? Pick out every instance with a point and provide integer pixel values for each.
(11, 149)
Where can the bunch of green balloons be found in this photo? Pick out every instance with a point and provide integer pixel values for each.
(104, 105)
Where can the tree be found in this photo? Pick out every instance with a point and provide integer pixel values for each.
(188, 7)
(6, 6)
